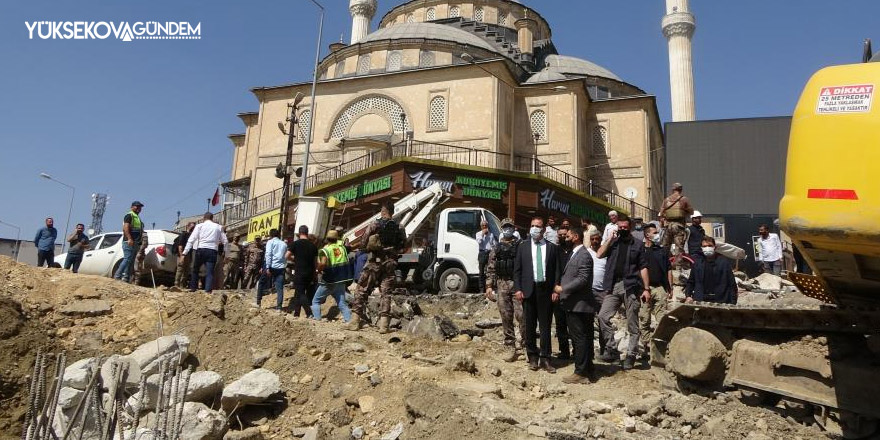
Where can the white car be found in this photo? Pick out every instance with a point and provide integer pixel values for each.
(104, 255)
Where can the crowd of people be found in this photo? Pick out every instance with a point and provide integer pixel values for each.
(575, 275)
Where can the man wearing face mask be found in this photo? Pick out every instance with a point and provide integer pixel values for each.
(660, 280)
(535, 275)
(499, 287)
(626, 274)
(695, 236)
(712, 278)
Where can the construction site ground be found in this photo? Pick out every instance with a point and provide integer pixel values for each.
(409, 383)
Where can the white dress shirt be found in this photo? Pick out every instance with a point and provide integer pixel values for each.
(609, 228)
(771, 248)
(543, 261)
(598, 271)
(206, 235)
(487, 241)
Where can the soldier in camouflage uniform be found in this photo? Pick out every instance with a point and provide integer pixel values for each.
(139, 268)
(499, 287)
(232, 264)
(384, 244)
(253, 262)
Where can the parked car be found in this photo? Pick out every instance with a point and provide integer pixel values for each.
(105, 254)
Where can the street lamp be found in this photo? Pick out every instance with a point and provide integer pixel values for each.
(69, 209)
(17, 238)
(305, 162)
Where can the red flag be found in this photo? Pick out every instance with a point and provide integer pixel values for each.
(216, 200)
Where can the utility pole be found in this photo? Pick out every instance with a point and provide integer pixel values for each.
(285, 172)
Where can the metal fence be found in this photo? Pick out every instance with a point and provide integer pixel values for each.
(440, 152)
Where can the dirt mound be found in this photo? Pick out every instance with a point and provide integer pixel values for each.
(337, 383)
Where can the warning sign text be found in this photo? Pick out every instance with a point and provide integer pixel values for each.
(845, 99)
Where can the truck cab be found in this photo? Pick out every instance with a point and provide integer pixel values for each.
(456, 266)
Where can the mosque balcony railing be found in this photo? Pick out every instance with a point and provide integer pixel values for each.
(455, 154)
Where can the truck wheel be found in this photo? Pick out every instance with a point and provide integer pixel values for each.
(453, 280)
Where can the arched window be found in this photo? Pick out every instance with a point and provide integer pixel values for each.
(538, 119)
(454, 12)
(431, 14)
(600, 141)
(364, 64)
(305, 118)
(410, 18)
(478, 15)
(502, 18)
(437, 113)
(426, 59)
(373, 104)
(395, 60)
(340, 69)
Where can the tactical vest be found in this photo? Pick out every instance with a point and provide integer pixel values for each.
(505, 254)
(338, 269)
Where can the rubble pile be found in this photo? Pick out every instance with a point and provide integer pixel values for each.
(229, 370)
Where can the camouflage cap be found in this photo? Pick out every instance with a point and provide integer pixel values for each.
(507, 222)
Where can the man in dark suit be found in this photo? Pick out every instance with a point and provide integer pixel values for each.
(535, 275)
(579, 303)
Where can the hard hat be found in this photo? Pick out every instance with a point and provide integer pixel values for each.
(696, 214)
(507, 222)
(333, 234)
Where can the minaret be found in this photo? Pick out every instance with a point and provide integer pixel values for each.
(678, 27)
(362, 12)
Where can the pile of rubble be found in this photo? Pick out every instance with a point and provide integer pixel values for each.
(764, 283)
(151, 393)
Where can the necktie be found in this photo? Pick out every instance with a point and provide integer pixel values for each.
(539, 263)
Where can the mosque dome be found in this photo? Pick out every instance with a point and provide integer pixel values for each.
(428, 31)
(575, 66)
(545, 76)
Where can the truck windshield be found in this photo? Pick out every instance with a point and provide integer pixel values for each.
(494, 224)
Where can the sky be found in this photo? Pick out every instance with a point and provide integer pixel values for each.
(149, 120)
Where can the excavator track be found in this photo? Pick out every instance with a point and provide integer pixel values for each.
(815, 358)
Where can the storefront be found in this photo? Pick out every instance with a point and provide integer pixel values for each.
(519, 196)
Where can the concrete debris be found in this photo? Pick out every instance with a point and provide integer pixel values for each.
(357, 433)
(87, 307)
(69, 397)
(87, 291)
(204, 386)
(461, 361)
(132, 379)
(366, 404)
(361, 368)
(438, 327)
(151, 354)
(259, 356)
(254, 387)
(375, 379)
(76, 375)
(395, 432)
(201, 423)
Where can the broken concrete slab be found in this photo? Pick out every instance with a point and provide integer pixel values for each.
(150, 355)
(87, 307)
(201, 423)
(254, 387)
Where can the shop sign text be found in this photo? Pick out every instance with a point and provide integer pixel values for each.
(367, 188)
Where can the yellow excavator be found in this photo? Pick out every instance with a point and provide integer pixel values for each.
(818, 362)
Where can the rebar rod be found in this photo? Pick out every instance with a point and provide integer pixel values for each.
(82, 402)
(26, 428)
(159, 395)
(189, 372)
(138, 406)
(60, 364)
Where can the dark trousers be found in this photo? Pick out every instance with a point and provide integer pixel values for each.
(538, 309)
(562, 335)
(305, 293)
(483, 260)
(208, 258)
(73, 261)
(580, 327)
(45, 257)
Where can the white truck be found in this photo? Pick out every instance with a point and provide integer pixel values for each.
(447, 259)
